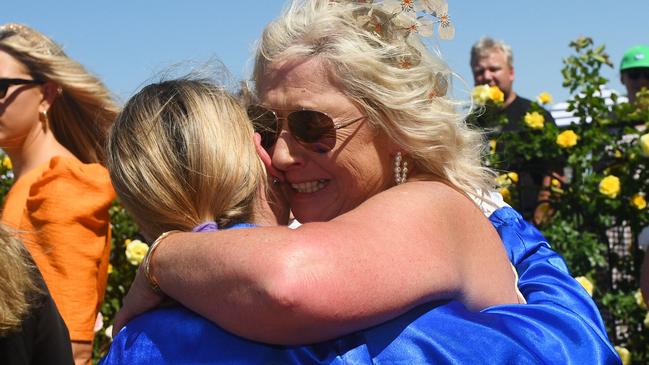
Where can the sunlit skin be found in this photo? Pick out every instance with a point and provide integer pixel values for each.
(494, 70)
(19, 123)
(358, 167)
(24, 135)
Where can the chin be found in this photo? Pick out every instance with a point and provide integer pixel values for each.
(309, 216)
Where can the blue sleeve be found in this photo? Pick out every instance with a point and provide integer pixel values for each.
(559, 325)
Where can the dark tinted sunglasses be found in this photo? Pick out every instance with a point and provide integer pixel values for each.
(5, 83)
(313, 129)
(636, 73)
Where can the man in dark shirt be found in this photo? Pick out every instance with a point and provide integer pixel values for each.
(492, 63)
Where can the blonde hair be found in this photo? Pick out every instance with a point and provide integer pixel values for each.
(486, 45)
(398, 97)
(17, 282)
(181, 153)
(81, 114)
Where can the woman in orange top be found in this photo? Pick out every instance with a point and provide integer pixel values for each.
(53, 119)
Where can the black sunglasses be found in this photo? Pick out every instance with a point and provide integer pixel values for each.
(313, 129)
(5, 83)
(636, 73)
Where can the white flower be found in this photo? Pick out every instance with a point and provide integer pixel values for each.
(109, 332)
(433, 6)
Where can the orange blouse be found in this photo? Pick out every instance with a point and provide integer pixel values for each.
(60, 210)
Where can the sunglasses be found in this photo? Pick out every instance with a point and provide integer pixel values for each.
(5, 83)
(636, 73)
(312, 129)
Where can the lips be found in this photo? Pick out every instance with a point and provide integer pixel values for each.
(310, 186)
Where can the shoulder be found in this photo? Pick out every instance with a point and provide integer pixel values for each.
(66, 183)
(69, 175)
(427, 206)
(92, 175)
(520, 103)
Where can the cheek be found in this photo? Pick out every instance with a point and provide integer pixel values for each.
(367, 168)
(19, 115)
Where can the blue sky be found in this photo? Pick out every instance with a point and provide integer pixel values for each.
(127, 43)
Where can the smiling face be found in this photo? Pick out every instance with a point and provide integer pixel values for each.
(322, 186)
(493, 69)
(20, 107)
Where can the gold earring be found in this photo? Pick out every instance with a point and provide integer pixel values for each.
(43, 116)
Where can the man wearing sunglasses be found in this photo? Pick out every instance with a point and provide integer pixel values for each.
(634, 71)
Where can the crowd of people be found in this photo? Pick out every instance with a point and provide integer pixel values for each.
(350, 131)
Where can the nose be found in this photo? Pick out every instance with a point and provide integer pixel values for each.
(287, 154)
(488, 77)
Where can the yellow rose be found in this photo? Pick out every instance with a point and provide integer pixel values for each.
(610, 186)
(625, 355)
(587, 284)
(6, 162)
(492, 146)
(496, 95)
(534, 120)
(513, 177)
(639, 201)
(480, 94)
(507, 196)
(135, 251)
(644, 144)
(639, 299)
(555, 183)
(544, 98)
(567, 139)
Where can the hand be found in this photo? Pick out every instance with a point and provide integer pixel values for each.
(139, 299)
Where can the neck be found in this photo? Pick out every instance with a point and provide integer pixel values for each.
(510, 99)
(37, 148)
(268, 212)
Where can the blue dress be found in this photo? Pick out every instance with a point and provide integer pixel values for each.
(559, 325)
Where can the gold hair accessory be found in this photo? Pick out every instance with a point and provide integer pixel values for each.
(11, 28)
(150, 278)
(409, 16)
(440, 86)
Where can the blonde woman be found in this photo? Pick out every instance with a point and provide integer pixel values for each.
(376, 160)
(54, 117)
(31, 329)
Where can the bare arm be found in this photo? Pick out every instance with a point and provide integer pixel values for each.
(412, 244)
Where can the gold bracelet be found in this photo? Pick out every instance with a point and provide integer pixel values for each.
(150, 278)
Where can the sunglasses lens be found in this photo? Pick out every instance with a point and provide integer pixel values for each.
(638, 73)
(3, 89)
(313, 128)
(264, 122)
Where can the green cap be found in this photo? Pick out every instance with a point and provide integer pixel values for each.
(637, 56)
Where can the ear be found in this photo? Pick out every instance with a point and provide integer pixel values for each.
(265, 158)
(50, 93)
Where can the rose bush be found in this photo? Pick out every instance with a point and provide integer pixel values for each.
(596, 207)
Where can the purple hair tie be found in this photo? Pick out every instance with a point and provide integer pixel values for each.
(206, 227)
